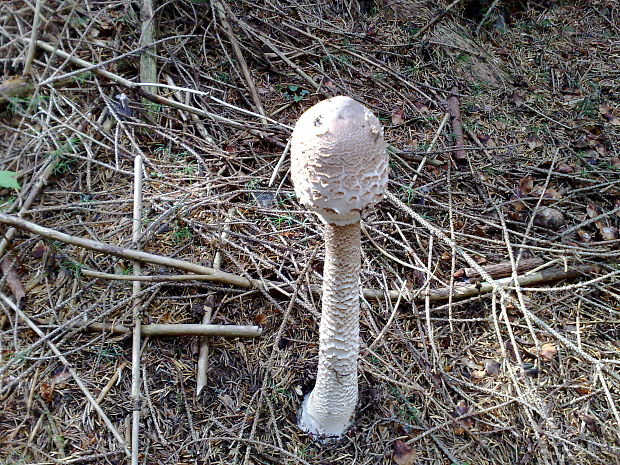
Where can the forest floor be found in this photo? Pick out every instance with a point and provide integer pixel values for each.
(518, 366)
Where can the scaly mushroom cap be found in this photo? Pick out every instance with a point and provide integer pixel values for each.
(339, 165)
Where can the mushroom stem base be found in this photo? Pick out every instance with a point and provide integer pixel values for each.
(328, 410)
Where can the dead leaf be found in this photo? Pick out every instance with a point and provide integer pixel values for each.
(403, 453)
(15, 284)
(398, 117)
(38, 250)
(583, 386)
(491, 367)
(228, 402)
(486, 140)
(609, 233)
(471, 363)
(516, 204)
(422, 108)
(600, 148)
(62, 277)
(548, 351)
(615, 163)
(607, 112)
(584, 236)
(46, 392)
(549, 218)
(591, 424)
(563, 168)
(60, 375)
(260, 319)
(533, 142)
(592, 210)
(581, 143)
(516, 98)
(463, 424)
(526, 185)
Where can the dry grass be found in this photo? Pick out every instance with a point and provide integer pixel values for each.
(476, 381)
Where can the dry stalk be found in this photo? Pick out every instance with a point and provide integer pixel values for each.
(222, 10)
(137, 317)
(148, 60)
(203, 356)
(33, 38)
(180, 330)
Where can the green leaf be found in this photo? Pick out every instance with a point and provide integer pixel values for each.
(7, 179)
(293, 88)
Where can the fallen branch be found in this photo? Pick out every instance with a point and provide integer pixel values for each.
(136, 313)
(221, 13)
(172, 330)
(499, 270)
(209, 274)
(217, 276)
(148, 60)
(470, 290)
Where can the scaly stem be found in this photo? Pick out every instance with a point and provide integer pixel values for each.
(329, 408)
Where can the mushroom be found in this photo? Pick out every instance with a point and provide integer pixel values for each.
(339, 167)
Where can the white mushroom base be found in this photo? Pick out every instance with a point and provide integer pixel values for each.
(329, 409)
(322, 423)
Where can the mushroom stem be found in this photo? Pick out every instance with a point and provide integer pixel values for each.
(329, 408)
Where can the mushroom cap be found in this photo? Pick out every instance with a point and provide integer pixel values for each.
(339, 163)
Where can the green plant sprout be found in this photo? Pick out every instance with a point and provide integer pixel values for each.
(182, 234)
(8, 180)
(296, 93)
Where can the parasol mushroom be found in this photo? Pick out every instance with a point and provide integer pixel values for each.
(339, 168)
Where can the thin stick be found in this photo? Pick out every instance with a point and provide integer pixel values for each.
(33, 38)
(280, 163)
(72, 372)
(414, 157)
(439, 130)
(111, 383)
(178, 330)
(136, 304)
(203, 357)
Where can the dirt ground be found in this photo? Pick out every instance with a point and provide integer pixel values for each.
(518, 366)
